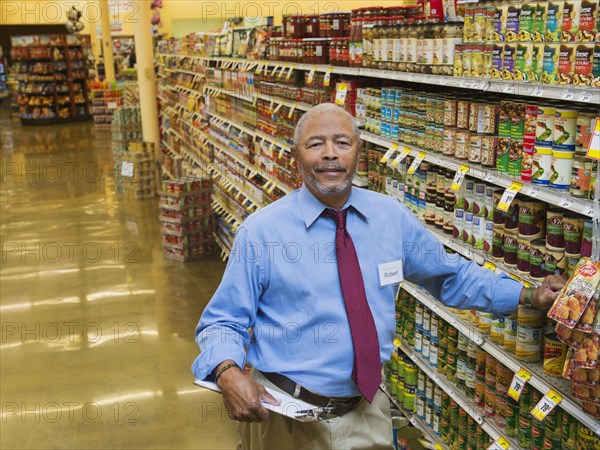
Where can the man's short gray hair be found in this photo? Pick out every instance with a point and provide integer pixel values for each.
(323, 108)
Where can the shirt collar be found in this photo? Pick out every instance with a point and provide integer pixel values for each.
(312, 207)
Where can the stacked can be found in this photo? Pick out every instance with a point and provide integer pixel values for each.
(504, 128)
(488, 235)
(394, 363)
(552, 426)
(531, 226)
(461, 361)
(468, 208)
(569, 432)
(509, 339)
(526, 404)
(390, 112)
(541, 171)
(503, 378)
(497, 330)
(426, 345)
(555, 260)
(480, 361)
(459, 212)
(434, 339)
(410, 384)
(451, 353)
(471, 369)
(530, 334)
(512, 417)
(445, 418)
(490, 386)
(442, 346)
(400, 389)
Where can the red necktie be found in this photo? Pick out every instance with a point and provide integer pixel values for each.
(367, 363)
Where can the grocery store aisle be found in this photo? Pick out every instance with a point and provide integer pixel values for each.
(97, 329)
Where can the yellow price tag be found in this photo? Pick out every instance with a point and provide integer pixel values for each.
(400, 157)
(389, 153)
(500, 444)
(489, 265)
(289, 74)
(282, 69)
(397, 343)
(459, 177)
(514, 277)
(272, 188)
(593, 150)
(327, 78)
(546, 405)
(520, 378)
(340, 93)
(416, 163)
(527, 284)
(292, 110)
(509, 195)
(274, 71)
(311, 75)
(258, 69)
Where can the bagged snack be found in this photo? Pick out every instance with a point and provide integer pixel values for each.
(576, 294)
(573, 338)
(586, 323)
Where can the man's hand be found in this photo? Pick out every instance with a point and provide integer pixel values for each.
(243, 397)
(544, 296)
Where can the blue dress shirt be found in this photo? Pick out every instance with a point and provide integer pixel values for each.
(282, 279)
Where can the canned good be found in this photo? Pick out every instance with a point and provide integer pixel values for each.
(544, 128)
(555, 239)
(573, 232)
(527, 164)
(461, 145)
(584, 131)
(488, 150)
(529, 317)
(541, 166)
(510, 334)
(564, 136)
(562, 165)
(475, 142)
(502, 154)
(537, 249)
(552, 424)
(524, 435)
(531, 219)
(498, 243)
(515, 158)
(581, 176)
(537, 435)
(510, 249)
(410, 373)
(526, 402)
(409, 398)
(529, 344)
(512, 417)
(586, 438)
(586, 240)
(555, 262)
(569, 432)
(511, 217)
(523, 265)
(497, 330)
(490, 401)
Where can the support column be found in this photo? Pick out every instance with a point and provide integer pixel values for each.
(144, 52)
(107, 48)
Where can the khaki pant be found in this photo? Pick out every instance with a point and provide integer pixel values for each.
(368, 426)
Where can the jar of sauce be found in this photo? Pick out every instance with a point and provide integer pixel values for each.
(312, 26)
(298, 30)
(356, 40)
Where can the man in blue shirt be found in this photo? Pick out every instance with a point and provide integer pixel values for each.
(282, 279)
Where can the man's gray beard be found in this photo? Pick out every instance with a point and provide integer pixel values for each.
(322, 189)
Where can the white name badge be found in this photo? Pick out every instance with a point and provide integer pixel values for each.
(390, 273)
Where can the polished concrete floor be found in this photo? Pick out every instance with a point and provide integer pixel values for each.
(97, 329)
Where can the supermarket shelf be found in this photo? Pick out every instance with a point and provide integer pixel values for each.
(466, 404)
(166, 173)
(539, 379)
(478, 255)
(415, 421)
(586, 94)
(229, 182)
(225, 250)
(264, 136)
(232, 122)
(222, 210)
(554, 197)
(289, 103)
(214, 90)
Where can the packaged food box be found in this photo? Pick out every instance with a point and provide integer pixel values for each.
(577, 293)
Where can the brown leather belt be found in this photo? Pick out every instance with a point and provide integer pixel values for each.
(340, 405)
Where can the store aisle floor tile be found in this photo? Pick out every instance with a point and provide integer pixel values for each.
(97, 329)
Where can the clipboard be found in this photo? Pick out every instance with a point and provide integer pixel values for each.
(289, 406)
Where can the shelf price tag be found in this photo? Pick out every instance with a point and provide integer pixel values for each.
(585, 96)
(289, 74)
(403, 154)
(397, 343)
(340, 93)
(111, 105)
(389, 153)
(272, 187)
(327, 78)
(416, 163)
(568, 95)
(281, 71)
(538, 91)
(127, 169)
(274, 70)
(515, 277)
(565, 202)
(489, 265)
(500, 444)
(277, 108)
(546, 405)
(311, 75)
(509, 195)
(459, 177)
(518, 382)
(258, 69)
(292, 109)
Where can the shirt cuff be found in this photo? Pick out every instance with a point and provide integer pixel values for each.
(205, 363)
(506, 295)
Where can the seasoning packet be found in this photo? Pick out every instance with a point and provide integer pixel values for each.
(586, 356)
(577, 293)
(573, 338)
